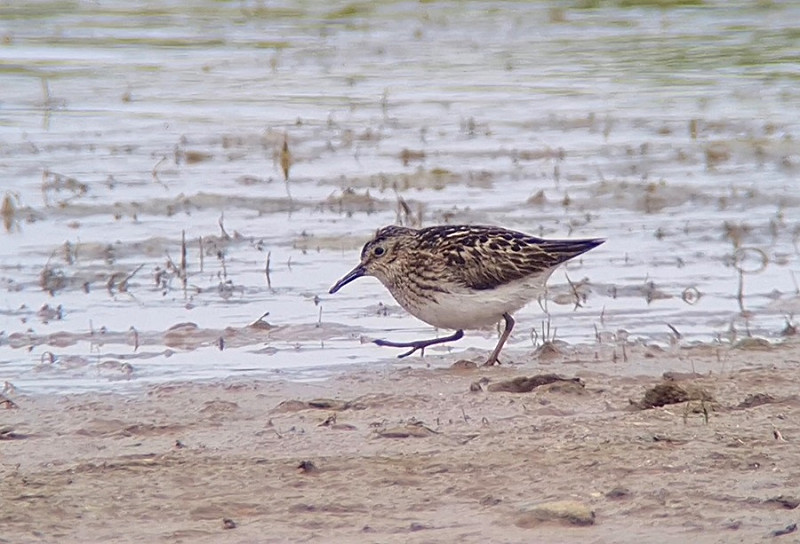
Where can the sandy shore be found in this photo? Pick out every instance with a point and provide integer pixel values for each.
(421, 455)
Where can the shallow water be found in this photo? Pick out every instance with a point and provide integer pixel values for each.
(672, 132)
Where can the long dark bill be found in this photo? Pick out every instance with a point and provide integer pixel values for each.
(354, 274)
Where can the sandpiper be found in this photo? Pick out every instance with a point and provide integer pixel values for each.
(462, 276)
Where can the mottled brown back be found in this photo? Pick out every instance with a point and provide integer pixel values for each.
(486, 257)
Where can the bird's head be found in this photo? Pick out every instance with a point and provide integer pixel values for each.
(379, 257)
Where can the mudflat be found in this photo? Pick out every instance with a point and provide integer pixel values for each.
(566, 444)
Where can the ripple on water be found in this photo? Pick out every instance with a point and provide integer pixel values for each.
(148, 222)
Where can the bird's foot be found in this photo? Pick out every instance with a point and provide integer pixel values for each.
(491, 361)
(418, 345)
(415, 346)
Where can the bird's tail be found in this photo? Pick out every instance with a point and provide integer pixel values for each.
(561, 251)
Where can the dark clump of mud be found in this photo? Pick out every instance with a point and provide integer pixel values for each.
(663, 394)
(525, 384)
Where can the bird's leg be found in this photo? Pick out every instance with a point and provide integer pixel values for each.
(419, 344)
(492, 360)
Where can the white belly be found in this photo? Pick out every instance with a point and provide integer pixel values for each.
(476, 309)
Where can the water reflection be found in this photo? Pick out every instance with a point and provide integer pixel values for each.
(144, 166)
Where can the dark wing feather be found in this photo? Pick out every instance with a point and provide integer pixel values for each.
(490, 256)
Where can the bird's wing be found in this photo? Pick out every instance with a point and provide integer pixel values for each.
(486, 257)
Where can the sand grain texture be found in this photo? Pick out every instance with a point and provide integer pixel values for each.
(327, 462)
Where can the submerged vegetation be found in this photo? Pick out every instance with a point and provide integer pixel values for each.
(166, 184)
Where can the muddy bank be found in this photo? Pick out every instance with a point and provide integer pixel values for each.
(420, 455)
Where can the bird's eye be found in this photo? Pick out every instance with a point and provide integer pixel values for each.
(378, 251)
